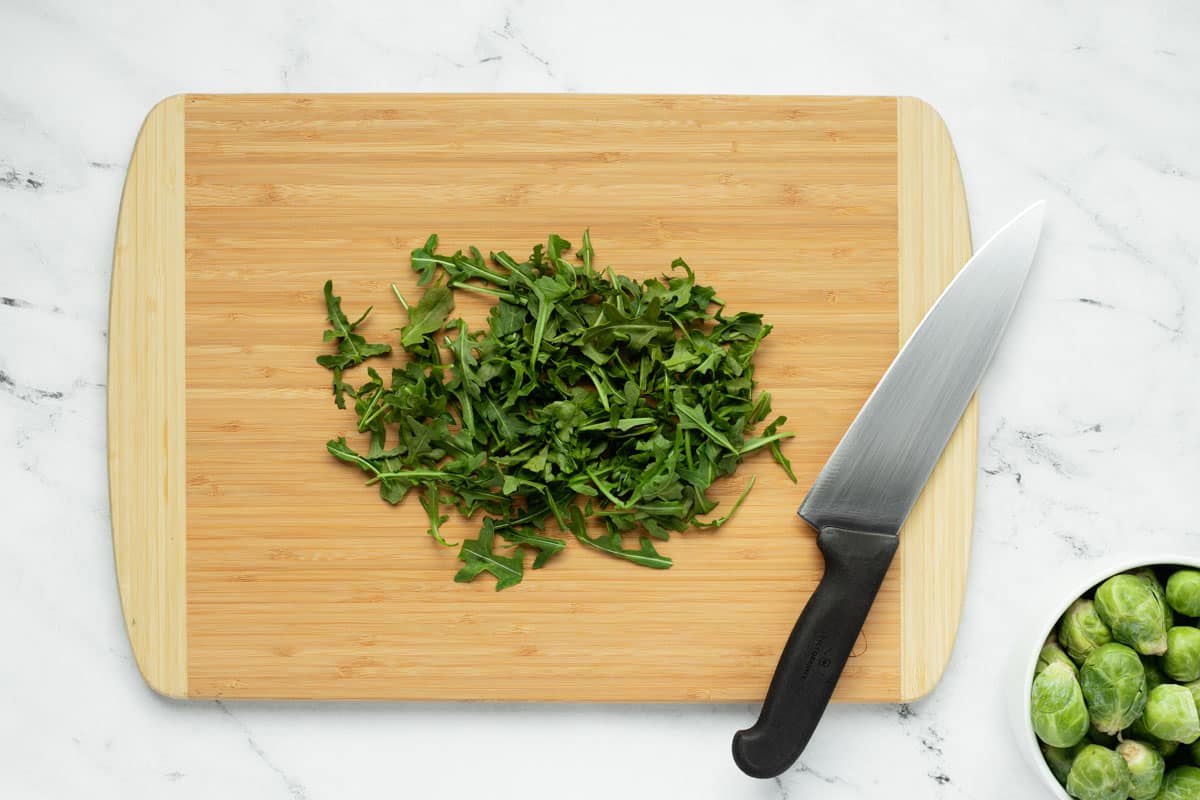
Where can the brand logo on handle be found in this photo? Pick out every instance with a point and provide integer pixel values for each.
(812, 657)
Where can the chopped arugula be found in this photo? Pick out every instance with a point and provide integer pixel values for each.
(588, 396)
(353, 349)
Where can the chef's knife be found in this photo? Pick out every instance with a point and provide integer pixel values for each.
(862, 496)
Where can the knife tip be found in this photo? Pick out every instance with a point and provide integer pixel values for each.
(1036, 212)
(1030, 221)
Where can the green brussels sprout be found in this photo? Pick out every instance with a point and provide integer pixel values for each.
(1138, 731)
(1154, 673)
(1182, 659)
(1171, 714)
(1113, 681)
(1146, 768)
(1134, 613)
(1099, 774)
(1194, 688)
(1052, 652)
(1183, 592)
(1157, 587)
(1060, 717)
(1181, 783)
(1059, 760)
(1081, 630)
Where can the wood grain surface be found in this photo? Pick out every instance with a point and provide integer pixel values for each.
(934, 230)
(839, 218)
(146, 432)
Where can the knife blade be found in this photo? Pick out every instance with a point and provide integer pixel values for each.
(865, 491)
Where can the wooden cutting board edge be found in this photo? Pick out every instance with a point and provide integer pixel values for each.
(146, 408)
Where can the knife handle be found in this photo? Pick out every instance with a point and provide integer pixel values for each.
(816, 652)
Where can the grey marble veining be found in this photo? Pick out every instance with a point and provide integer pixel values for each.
(1089, 431)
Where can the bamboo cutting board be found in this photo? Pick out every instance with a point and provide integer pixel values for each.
(251, 564)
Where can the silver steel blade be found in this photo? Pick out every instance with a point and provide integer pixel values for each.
(878, 469)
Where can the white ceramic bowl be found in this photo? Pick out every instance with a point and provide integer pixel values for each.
(1073, 584)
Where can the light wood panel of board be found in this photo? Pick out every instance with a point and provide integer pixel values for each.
(146, 413)
(276, 574)
(934, 230)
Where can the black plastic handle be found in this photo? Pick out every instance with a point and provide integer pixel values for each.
(816, 652)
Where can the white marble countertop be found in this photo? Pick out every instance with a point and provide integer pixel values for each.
(1090, 431)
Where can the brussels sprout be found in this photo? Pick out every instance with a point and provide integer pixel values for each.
(1183, 592)
(1146, 768)
(1171, 714)
(1113, 681)
(1060, 717)
(1134, 613)
(1181, 783)
(1157, 587)
(1081, 630)
(1052, 652)
(1182, 659)
(1099, 774)
(1059, 760)
(1194, 688)
(1138, 731)
(1154, 673)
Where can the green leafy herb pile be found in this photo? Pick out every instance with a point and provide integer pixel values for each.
(588, 395)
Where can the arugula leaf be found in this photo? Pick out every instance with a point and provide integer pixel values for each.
(428, 317)
(611, 543)
(342, 451)
(721, 520)
(761, 441)
(546, 546)
(479, 556)
(431, 502)
(694, 417)
(353, 349)
(780, 458)
(424, 261)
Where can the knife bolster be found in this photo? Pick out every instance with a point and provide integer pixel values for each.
(857, 552)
